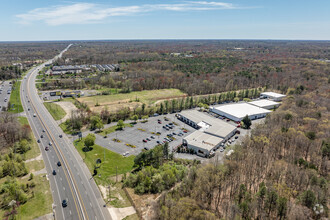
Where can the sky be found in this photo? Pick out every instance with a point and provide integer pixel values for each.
(42, 20)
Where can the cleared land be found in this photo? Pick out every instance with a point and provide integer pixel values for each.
(55, 110)
(131, 100)
(108, 167)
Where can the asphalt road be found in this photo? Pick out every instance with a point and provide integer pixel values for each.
(4, 94)
(73, 181)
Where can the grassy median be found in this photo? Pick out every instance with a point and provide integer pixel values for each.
(55, 110)
(15, 99)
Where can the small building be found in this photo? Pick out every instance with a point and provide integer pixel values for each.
(238, 111)
(210, 134)
(272, 95)
(202, 143)
(266, 104)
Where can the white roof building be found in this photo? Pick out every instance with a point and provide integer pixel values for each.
(272, 95)
(265, 103)
(238, 111)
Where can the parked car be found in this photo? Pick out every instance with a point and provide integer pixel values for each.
(146, 148)
(158, 142)
(159, 133)
(166, 119)
(159, 122)
(236, 137)
(221, 149)
(148, 139)
(170, 123)
(144, 140)
(125, 154)
(152, 137)
(227, 119)
(238, 126)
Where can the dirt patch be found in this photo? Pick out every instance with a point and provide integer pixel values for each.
(114, 107)
(68, 107)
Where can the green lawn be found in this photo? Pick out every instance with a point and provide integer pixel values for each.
(23, 120)
(55, 110)
(15, 98)
(107, 167)
(112, 129)
(146, 96)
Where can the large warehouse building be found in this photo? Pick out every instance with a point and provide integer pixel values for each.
(238, 111)
(211, 132)
(272, 95)
(264, 103)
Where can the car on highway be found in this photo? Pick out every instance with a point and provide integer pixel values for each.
(34, 115)
(59, 163)
(38, 140)
(64, 203)
(236, 137)
(50, 144)
(28, 109)
(54, 172)
(47, 148)
(42, 136)
(60, 136)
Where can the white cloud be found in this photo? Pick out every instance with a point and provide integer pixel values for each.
(83, 13)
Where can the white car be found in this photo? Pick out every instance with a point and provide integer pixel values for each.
(126, 153)
(34, 115)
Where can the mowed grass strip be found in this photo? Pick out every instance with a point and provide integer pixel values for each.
(108, 167)
(146, 96)
(55, 110)
(23, 120)
(15, 98)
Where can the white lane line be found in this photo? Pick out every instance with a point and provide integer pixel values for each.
(91, 204)
(70, 212)
(63, 188)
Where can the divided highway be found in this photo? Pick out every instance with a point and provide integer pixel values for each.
(69, 177)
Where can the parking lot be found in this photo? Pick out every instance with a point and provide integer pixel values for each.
(146, 131)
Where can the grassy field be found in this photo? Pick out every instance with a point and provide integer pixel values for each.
(35, 165)
(133, 99)
(23, 120)
(55, 110)
(107, 167)
(41, 203)
(15, 99)
(112, 129)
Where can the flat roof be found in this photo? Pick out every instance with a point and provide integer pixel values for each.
(203, 140)
(240, 110)
(273, 94)
(216, 126)
(263, 103)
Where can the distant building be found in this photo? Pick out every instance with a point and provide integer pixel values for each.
(238, 111)
(264, 103)
(211, 132)
(272, 95)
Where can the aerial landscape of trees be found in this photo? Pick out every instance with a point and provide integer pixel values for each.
(280, 172)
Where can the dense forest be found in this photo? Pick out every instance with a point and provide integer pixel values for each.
(17, 57)
(202, 67)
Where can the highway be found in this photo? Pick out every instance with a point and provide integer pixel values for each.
(73, 181)
(4, 94)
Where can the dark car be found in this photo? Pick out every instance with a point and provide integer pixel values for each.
(43, 130)
(159, 122)
(159, 133)
(148, 139)
(38, 140)
(152, 137)
(41, 136)
(170, 123)
(166, 119)
(54, 172)
(28, 109)
(60, 136)
(164, 126)
(146, 148)
(144, 140)
(46, 148)
(59, 163)
(158, 142)
(174, 133)
(236, 137)
(64, 203)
